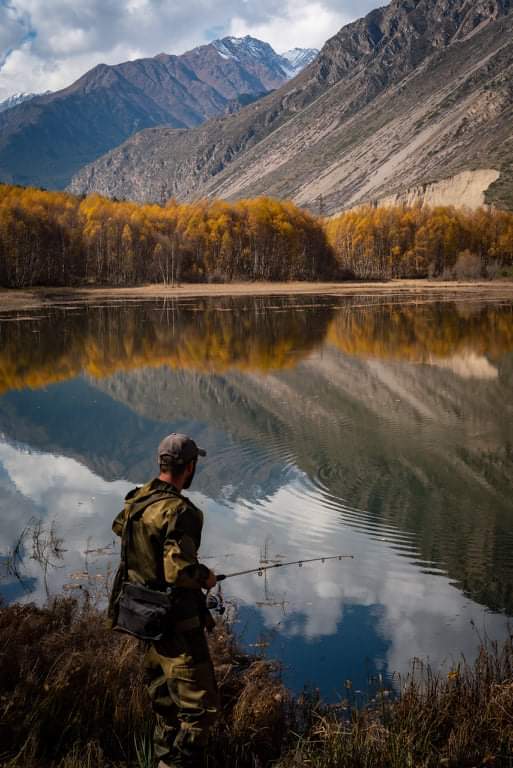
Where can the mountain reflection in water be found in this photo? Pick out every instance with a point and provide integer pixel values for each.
(364, 425)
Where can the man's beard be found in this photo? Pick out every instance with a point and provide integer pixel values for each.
(189, 480)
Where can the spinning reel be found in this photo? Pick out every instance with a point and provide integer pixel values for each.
(216, 602)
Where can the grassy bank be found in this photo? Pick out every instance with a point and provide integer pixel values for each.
(72, 696)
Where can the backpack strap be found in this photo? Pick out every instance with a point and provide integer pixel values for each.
(133, 511)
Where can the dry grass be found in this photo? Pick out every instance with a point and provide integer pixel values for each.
(68, 686)
(72, 696)
(463, 720)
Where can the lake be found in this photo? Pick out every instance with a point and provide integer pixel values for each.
(376, 426)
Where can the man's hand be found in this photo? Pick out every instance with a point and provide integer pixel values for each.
(211, 580)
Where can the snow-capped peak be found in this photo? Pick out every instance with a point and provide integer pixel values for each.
(241, 49)
(18, 98)
(299, 58)
(223, 50)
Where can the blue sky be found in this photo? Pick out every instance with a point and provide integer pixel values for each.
(46, 44)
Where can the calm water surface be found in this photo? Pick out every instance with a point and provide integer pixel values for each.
(380, 427)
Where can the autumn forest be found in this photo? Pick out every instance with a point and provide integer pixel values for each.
(54, 238)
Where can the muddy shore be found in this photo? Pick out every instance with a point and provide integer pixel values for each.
(35, 298)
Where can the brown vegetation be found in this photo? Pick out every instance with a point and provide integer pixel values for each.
(72, 695)
(51, 238)
(445, 242)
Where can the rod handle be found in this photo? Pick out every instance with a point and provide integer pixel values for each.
(221, 577)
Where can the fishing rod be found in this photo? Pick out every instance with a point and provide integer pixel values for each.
(216, 602)
(300, 563)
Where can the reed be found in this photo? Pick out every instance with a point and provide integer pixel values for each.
(72, 696)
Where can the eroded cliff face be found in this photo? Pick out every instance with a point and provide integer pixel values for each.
(467, 189)
(413, 94)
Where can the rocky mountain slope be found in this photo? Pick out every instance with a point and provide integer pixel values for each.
(47, 139)
(412, 94)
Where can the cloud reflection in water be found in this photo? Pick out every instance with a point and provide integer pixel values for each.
(381, 602)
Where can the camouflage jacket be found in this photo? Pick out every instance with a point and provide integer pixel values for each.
(164, 541)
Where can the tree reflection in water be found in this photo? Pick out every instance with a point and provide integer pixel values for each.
(247, 334)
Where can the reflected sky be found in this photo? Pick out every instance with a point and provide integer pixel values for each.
(321, 443)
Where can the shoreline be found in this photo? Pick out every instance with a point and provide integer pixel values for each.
(36, 298)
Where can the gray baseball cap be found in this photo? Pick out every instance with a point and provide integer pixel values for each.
(179, 449)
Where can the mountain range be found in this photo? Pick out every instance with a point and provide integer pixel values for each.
(45, 139)
(413, 95)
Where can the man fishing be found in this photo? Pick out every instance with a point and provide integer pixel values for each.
(161, 536)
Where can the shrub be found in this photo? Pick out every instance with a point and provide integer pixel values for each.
(468, 266)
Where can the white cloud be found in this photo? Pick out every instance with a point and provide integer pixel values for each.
(57, 483)
(60, 491)
(299, 24)
(48, 45)
(14, 27)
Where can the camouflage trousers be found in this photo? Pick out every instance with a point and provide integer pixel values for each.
(183, 691)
